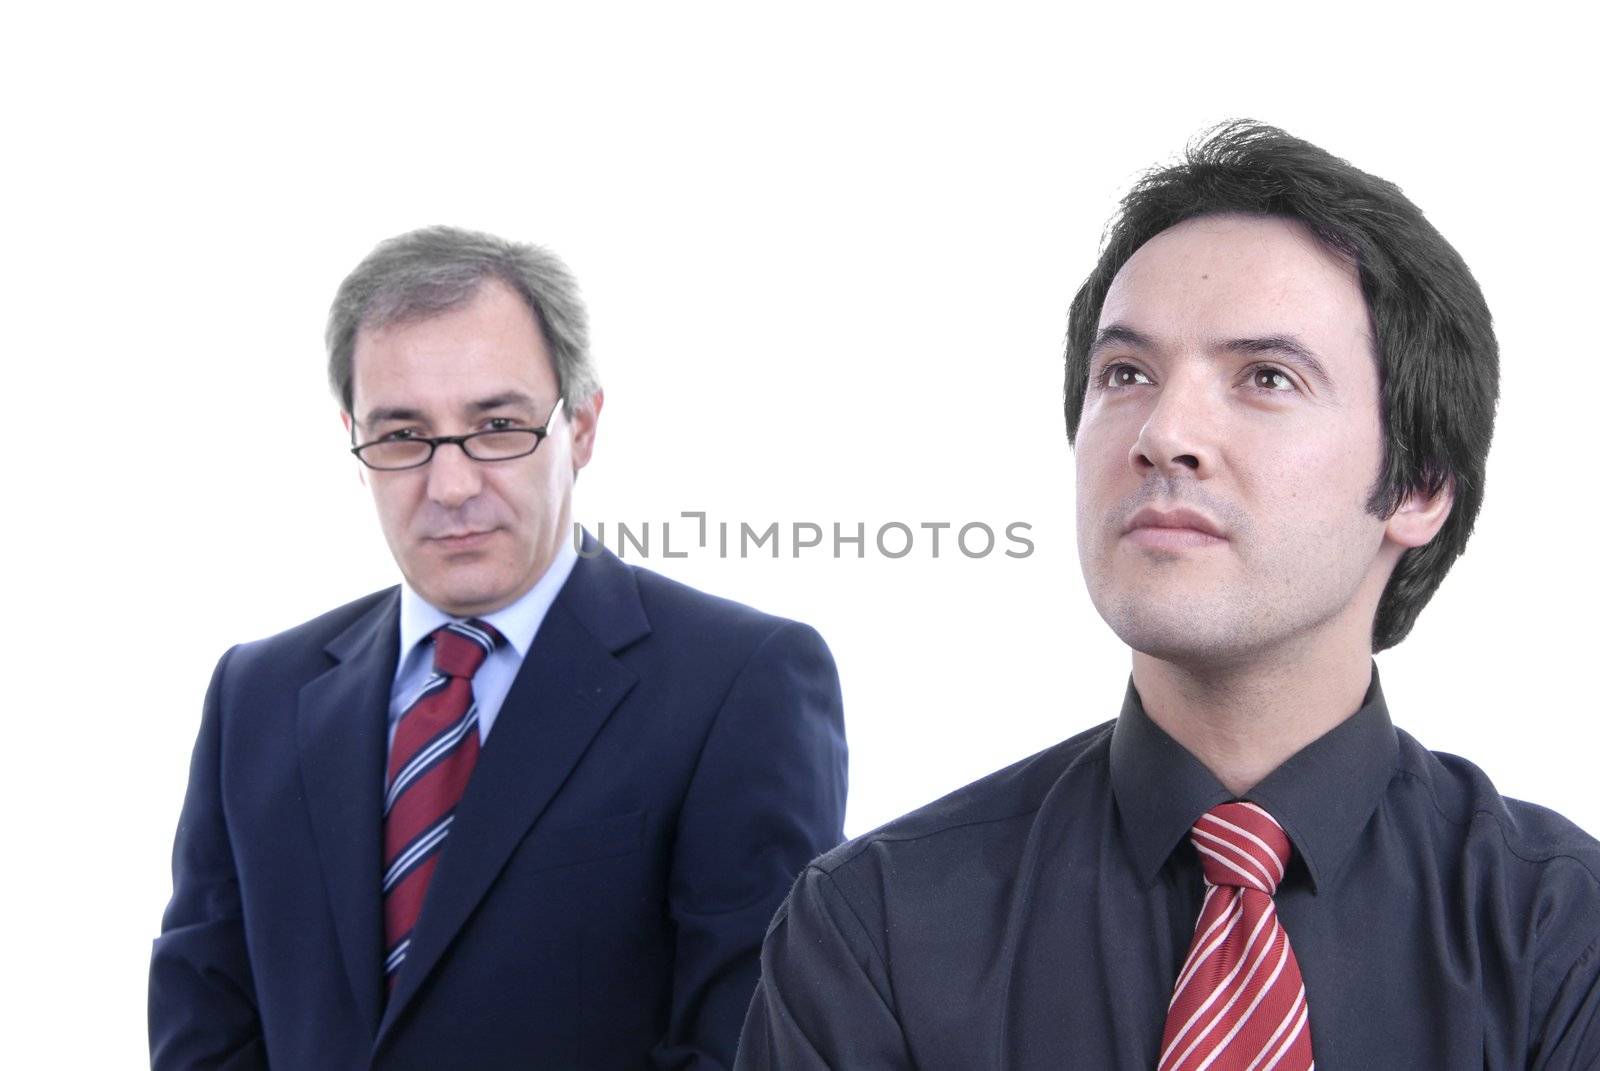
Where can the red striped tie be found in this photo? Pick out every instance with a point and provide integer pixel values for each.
(1239, 1003)
(435, 747)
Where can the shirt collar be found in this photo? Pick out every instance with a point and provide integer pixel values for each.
(518, 622)
(1322, 795)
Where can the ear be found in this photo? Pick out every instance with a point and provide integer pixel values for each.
(1420, 517)
(585, 420)
(348, 422)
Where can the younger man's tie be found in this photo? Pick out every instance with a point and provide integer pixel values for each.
(435, 747)
(1239, 1004)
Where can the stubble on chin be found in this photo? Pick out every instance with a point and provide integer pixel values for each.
(1172, 610)
(1185, 632)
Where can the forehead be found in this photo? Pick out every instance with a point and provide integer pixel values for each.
(1232, 276)
(489, 344)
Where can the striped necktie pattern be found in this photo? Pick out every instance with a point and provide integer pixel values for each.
(1239, 1003)
(434, 750)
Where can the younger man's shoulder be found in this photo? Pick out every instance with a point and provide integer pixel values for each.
(1000, 806)
(1464, 798)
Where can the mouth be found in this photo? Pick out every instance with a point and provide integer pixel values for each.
(461, 540)
(1176, 529)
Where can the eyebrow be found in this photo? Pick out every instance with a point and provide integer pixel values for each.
(1119, 335)
(482, 405)
(1286, 348)
(501, 401)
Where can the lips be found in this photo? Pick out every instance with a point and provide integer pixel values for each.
(461, 540)
(1175, 519)
(1173, 530)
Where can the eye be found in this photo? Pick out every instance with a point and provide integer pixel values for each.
(398, 434)
(1270, 379)
(501, 423)
(1122, 375)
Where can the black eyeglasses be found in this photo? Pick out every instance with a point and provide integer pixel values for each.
(414, 451)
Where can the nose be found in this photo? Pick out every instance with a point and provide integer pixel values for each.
(1178, 436)
(453, 477)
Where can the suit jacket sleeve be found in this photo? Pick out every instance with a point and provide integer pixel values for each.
(825, 1000)
(766, 797)
(202, 1000)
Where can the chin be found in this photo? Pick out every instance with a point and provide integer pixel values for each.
(1181, 631)
(465, 599)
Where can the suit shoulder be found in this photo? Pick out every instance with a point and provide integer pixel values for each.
(672, 601)
(1010, 796)
(313, 635)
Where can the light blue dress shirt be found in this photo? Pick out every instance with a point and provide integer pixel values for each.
(518, 623)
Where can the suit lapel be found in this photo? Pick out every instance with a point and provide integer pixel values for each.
(568, 685)
(343, 739)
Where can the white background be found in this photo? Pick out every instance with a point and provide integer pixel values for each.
(827, 256)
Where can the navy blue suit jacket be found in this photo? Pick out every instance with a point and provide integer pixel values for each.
(663, 767)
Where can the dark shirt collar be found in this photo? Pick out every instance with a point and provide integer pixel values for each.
(1322, 795)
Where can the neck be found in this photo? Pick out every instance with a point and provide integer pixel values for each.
(1243, 720)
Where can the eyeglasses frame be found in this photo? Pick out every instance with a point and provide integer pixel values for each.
(540, 433)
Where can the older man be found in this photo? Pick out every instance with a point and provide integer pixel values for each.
(1280, 383)
(530, 808)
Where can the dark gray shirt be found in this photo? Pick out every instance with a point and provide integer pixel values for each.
(1038, 918)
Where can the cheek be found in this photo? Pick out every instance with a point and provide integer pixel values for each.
(395, 498)
(523, 494)
(1102, 479)
(1327, 474)
(1305, 499)
(1100, 458)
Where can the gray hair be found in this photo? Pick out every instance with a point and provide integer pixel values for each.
(432, 270)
